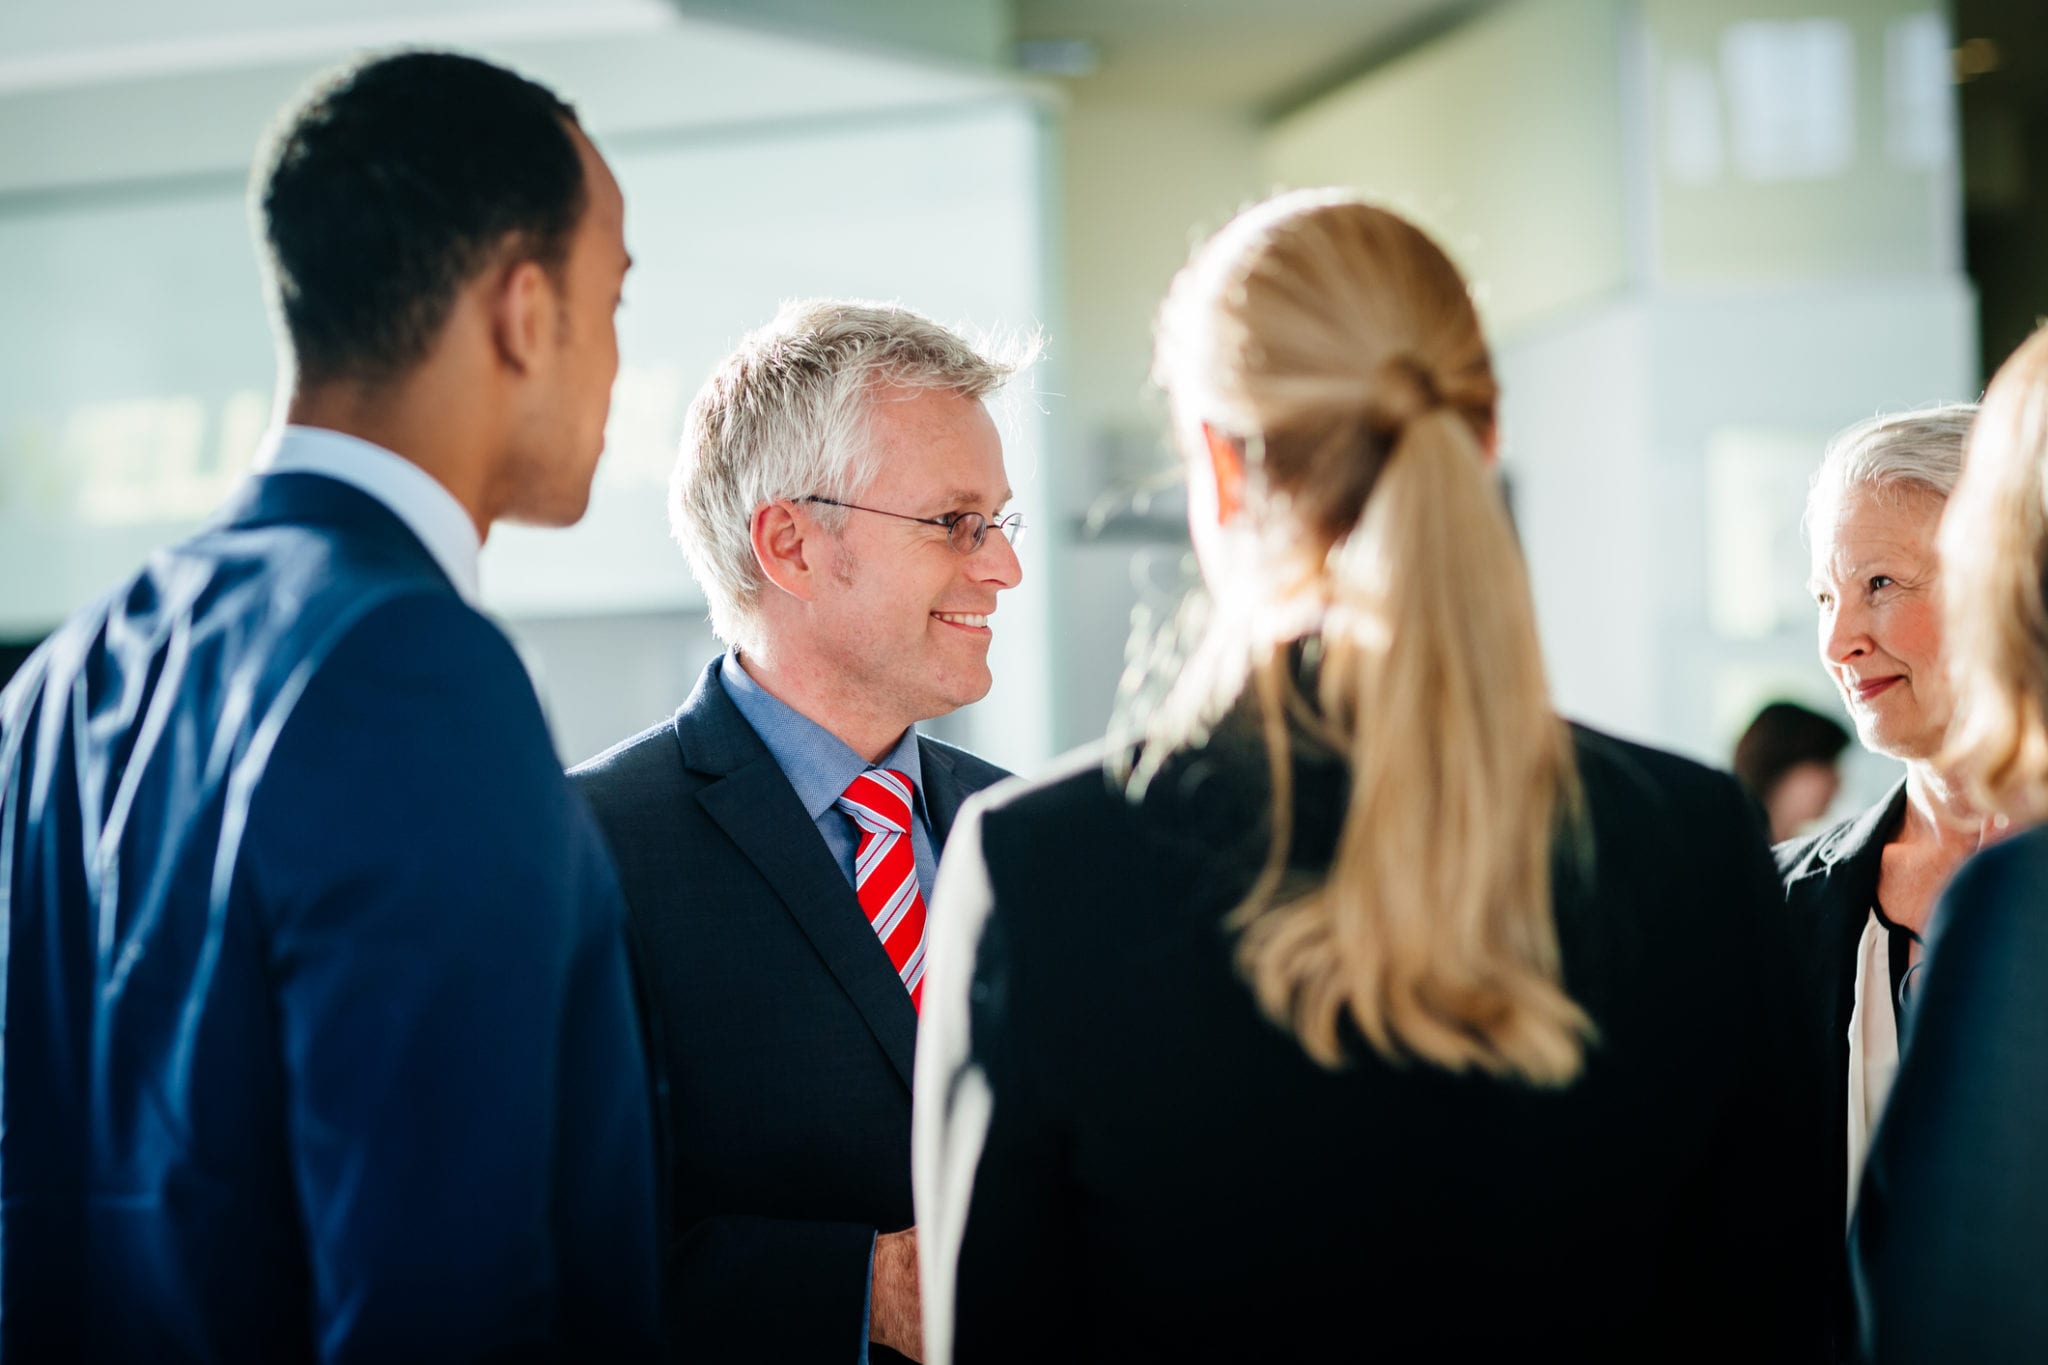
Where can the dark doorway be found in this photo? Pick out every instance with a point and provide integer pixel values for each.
(2001, 59)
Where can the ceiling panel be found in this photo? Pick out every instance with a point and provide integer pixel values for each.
(1260, 55)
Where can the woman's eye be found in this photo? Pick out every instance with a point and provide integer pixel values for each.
(1880, 581)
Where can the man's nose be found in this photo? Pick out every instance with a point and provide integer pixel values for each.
(996, 561)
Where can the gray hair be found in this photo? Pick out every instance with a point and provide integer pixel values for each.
(786, 416)
(1920, 450)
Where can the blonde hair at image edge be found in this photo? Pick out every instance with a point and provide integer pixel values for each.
(1993, 543)
(1341, 346)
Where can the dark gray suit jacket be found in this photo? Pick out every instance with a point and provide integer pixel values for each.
(785, 1033)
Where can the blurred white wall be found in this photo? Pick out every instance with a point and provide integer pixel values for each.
(1705, 235)
(1145, 179)
(1506, 137)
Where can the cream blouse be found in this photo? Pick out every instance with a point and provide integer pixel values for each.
(1873, 1046)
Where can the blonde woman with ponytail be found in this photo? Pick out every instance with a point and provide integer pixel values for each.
(1353, 1003)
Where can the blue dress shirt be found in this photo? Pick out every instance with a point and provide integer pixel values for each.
(821, 767)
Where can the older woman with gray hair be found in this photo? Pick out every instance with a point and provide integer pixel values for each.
(1862, 890)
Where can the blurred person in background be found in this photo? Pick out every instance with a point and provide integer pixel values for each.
(1787, 758)
(840, 494)
(320, 1040)
(1365, 999)
(1951, 1236)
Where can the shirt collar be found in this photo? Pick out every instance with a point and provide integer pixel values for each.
(817, 762)
(411, 494)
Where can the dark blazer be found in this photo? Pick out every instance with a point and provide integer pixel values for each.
(1119, 1156)
(319, 1031)
(1951, 1236)
(787, 1036)
(1830, 881)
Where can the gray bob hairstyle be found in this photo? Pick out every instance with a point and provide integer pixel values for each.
(786, 416)
(1917, 450)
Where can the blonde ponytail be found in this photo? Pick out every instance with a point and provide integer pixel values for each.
(1432, 930)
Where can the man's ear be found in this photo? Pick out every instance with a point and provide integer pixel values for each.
(1226, 458)
(523, 314)
(785, 546)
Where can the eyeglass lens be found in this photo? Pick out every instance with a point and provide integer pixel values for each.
(971, 529)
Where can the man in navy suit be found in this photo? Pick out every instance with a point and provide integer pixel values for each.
(320, 1040)
(840, 495)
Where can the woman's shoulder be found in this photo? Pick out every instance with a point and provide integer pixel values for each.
(1079, 783)
(1080, 814)
(1135, 852)
(1806, 853)
(1194, 791)
(1856, 841)
(1664, 844)
(1631, 785)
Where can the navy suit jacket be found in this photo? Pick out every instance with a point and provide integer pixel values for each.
(319, 1032)
(1951, 1235)
(787, 1036)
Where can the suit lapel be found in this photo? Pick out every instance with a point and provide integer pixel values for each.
(1850, 867)
(942, 793)
(1854, 863)
(754, 804)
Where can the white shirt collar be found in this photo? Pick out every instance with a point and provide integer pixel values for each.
(411, 494)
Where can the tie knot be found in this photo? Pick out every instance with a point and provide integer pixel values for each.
(880, 800)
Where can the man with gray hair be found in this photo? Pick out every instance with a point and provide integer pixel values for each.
(840, 495)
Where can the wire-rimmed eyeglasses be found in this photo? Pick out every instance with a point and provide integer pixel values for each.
(966, 530)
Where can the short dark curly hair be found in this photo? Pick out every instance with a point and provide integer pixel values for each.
(392, 185)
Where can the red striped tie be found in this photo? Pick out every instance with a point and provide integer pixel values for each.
(885, 871)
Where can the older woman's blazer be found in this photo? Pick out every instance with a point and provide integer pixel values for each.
(1830, 881)
(1118, 1156)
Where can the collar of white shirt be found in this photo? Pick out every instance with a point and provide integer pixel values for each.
(411, 494)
